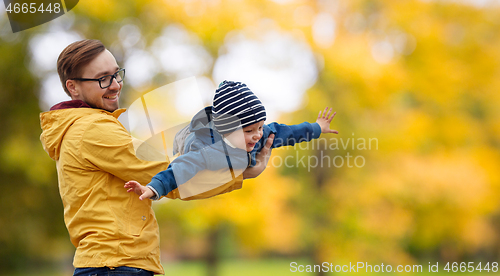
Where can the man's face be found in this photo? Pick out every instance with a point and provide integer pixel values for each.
(90, 91)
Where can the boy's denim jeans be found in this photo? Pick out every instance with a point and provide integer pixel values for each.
(117, 271)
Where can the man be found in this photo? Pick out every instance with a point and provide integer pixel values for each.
(111, 229)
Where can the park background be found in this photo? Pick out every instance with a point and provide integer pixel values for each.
(420, 77)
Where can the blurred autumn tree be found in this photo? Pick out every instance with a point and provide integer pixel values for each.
(418, 76)
(31, 208)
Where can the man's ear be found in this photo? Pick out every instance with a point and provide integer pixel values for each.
(71, 86)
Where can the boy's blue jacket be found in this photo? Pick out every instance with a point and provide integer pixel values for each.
(204, 149)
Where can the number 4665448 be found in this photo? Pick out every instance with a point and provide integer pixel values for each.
(32, 8)
(471, 267)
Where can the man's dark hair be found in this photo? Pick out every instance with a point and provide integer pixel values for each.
(75, 57)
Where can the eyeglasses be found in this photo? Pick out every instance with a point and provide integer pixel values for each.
(105, 82)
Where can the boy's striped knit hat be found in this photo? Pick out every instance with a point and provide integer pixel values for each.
(235, 106)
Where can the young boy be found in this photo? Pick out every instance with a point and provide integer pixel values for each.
(228, 135)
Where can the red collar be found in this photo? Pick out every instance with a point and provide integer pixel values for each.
(70, 104)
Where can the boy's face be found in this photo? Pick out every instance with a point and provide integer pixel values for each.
(247, 137)
(252, 134)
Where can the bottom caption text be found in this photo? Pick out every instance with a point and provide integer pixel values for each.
(366, 267)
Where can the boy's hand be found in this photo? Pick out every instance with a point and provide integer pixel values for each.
(325, 120)
(142, 191)
(262, 158)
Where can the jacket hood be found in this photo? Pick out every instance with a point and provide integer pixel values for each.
(201, 120)
(56, 122)
(203, 130)
(203, 127)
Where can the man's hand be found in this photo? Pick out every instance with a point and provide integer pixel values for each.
(325, 120)
(262, 158)
(142, 191)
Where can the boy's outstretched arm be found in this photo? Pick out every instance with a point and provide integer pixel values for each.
(136, 187)
(289, 135)
(325, 119)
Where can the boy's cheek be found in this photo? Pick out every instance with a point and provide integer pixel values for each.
(239, 143)
(238, 139)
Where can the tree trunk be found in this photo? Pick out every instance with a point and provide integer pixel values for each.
(212, 256)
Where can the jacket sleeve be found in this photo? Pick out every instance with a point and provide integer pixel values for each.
(231, 185)
(288, 135)
(188, 165)
(285, 135)
(106, 145)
